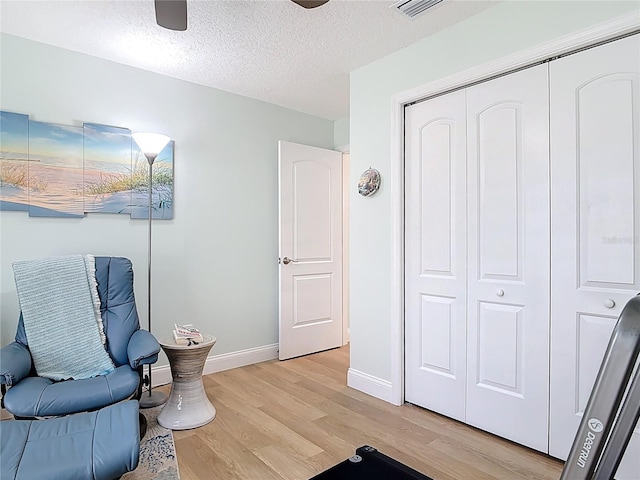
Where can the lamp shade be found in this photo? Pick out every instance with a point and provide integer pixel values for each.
(151, 144)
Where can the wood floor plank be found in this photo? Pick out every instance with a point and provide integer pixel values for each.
(240, 427)
(286, 464)
(478, 461)
(325, 439)
(256, 384)
(291, 420)
(279, 433)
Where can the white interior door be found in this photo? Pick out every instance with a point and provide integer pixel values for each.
(595, 167)
(435, 254)
(310, 211)
(508, 257)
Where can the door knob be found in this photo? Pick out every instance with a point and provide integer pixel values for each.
(609, 303)
(287, 260)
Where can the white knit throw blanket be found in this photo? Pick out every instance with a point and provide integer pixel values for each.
(61, 313)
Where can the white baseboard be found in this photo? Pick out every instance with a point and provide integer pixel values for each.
(374, 386)
(218, 363)
(160, 375)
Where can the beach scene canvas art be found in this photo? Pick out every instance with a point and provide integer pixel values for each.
(54, 170)
(108, 178)
(162, 185)
(14, 161)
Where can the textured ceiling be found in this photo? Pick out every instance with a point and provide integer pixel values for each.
(272, 50)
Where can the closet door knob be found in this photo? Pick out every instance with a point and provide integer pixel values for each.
(500, 292)
(609, 303)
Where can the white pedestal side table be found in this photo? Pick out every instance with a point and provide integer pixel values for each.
(188, 405)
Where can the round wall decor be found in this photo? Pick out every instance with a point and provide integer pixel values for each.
(369, 182)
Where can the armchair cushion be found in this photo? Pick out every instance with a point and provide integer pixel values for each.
(15, 363)
(117, 305)
(42, 397)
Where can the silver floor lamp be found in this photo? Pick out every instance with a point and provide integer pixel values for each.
(151, 144)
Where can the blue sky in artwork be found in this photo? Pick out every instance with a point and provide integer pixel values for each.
(166, 155)
(14, 133)
(55, 143)
(103, 143)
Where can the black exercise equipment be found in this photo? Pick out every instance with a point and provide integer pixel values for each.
(369, 463)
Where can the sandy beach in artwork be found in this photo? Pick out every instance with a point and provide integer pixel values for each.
(96, 197)
(66, 191)
(53, 189)
(103, 193)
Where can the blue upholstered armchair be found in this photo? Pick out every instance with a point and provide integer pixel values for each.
(129, 347)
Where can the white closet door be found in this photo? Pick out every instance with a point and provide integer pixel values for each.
(435, 254)
(508, 276)
(595, 171)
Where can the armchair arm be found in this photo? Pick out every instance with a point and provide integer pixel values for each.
(143, 349)
(15, 363)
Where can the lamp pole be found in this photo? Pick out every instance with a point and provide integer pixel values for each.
(152, 398)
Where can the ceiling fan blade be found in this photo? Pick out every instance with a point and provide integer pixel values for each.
(310, 3)
(171, 14)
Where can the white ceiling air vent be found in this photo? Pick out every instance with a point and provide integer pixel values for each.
(413, 8)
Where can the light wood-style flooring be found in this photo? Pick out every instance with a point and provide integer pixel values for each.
(294, 419)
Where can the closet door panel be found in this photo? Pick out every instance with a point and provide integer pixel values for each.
(508, 257)
(499, 348)
(435, 254)
(499, 186)
(595, 172)
(605, 141)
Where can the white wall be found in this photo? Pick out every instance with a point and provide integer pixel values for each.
(214, 264)
(507, 28)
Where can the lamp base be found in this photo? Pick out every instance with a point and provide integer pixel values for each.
(152, 400)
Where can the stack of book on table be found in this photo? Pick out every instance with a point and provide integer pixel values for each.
(186, 335)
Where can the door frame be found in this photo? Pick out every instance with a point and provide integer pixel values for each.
(346, 152)
(616, 27)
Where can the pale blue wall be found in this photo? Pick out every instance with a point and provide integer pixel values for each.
(341, 132)
(507, 28)
(215, 264)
